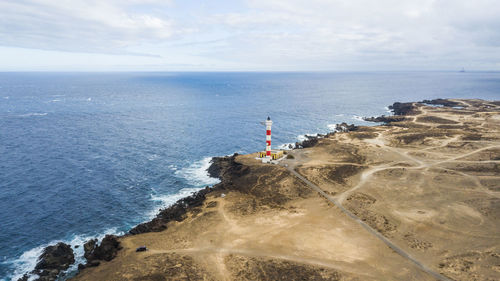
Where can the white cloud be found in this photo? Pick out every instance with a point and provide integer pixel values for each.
(266, 34)
(79, 25)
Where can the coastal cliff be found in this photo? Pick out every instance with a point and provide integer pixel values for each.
(416, 198)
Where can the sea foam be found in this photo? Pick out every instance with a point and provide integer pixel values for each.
(169, 199)
(196, 174)
(33, 114)
(286, 146)
(356, 117)
(332, 127)
(304, 137)
(28, 260)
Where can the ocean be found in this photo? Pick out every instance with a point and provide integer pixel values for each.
(87, 154)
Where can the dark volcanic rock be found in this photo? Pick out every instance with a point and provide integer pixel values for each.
(310, 141)
(344, 127)
(106, 251)
(88, 248)
(221, 167)
(215, 168)
(443, 102)
(108, 248)
(59, 256)
(385, 119)
(402, 108)
(175, 212)
(93, 263)
(81, 266)
(52, 261)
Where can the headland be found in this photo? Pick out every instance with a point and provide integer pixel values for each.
(417, 198)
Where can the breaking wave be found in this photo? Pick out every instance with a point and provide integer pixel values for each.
(33, 114)
(304, 137)
(356, 117)
(196, 174)
(170, 199)
(28, 260)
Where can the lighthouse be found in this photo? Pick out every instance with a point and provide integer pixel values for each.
(268, 123)
(269, 155)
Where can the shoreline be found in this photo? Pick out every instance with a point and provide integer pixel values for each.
(227, 169)
(309, 140)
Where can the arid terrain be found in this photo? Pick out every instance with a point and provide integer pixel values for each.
(415, 199)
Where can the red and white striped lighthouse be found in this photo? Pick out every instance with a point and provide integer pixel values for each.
(268, 123)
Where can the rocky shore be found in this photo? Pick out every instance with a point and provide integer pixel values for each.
(261, 222)
(57, 258)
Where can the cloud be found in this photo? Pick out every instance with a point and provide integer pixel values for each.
(424, 33)
(79, 25)
(266, 34)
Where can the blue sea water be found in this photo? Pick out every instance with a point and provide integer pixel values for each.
(84, 154)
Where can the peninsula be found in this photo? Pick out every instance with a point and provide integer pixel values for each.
(417, 198)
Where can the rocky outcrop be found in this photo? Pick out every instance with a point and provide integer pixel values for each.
(443, 102)
(52, 261)
(407, 108)
(310, 141)
(105, 251)
(224, 168)
(216, 166)
(88, 248)
(176, 212)
(385, 119)
(344, 127)
(402, 108)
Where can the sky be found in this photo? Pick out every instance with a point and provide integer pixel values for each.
(249, 35)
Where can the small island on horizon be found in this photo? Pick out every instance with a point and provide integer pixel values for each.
(416, 198)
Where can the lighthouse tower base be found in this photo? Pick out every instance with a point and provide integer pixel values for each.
(266, 159)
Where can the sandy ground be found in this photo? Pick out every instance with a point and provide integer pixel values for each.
(429, 184)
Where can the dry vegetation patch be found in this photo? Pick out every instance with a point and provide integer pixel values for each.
(362, 135)
(473, 265)
(416, 243)
(435, 119)
(419, 138)
(360, 204)
(167, 267)
(254, 268)
(489, 207)
(479, 169)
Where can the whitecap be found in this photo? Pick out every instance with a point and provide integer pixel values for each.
(56, 100)
(196, 174)
(169, 199)
(304, 137)
(332, 127)
(356, 117)
(33, 114)
(286, 146)
(28, 260)
(153, 157)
